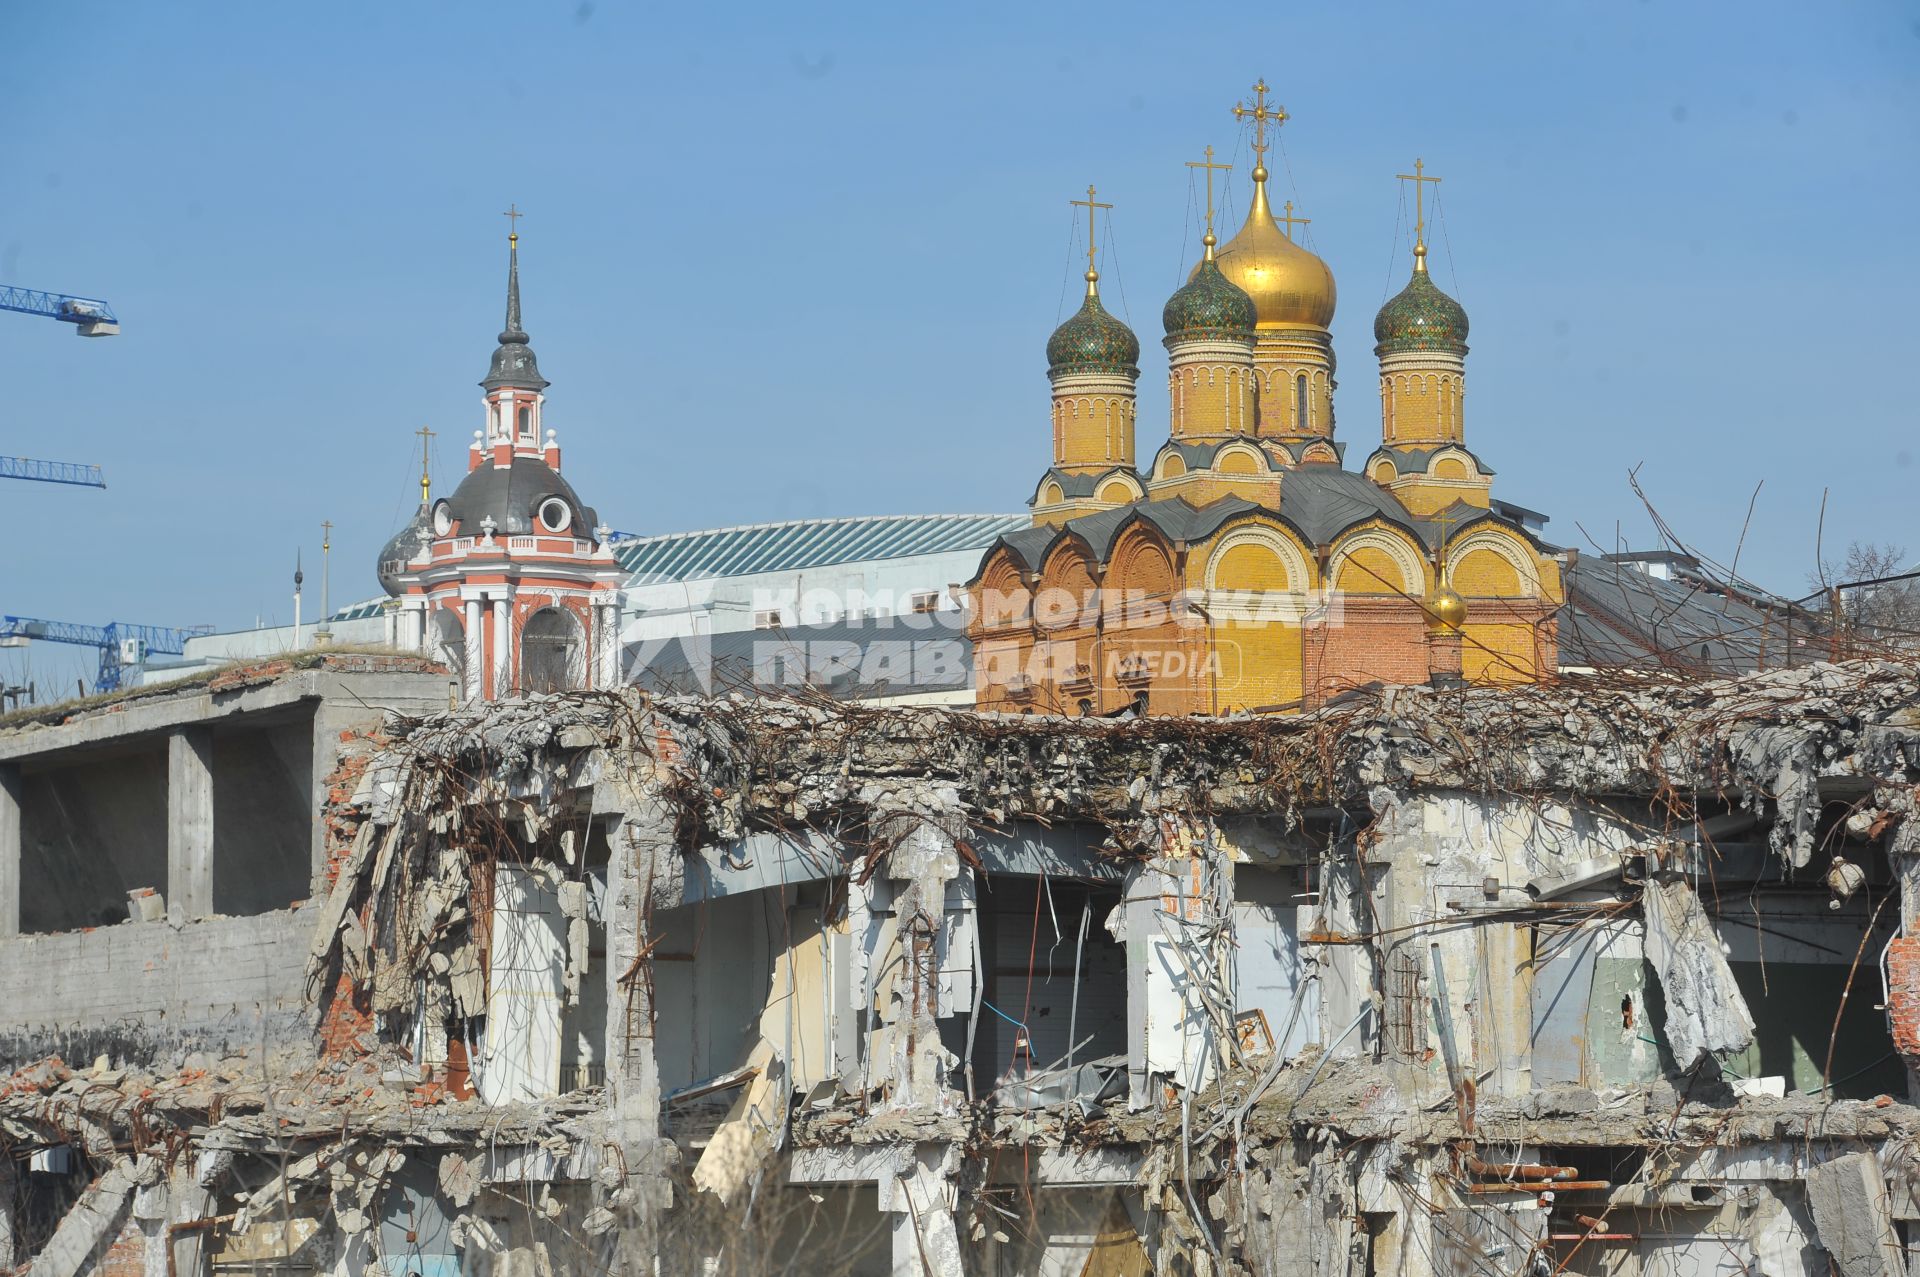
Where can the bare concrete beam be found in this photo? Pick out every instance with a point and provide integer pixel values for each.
(9, 851)
(94, 1219)
(189, 824)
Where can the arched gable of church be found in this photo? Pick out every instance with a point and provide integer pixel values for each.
(1377, 559)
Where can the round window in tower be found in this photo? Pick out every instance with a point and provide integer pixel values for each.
(555, 516)
(442, 518)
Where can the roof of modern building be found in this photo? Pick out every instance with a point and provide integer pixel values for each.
(1618, 615)
(805, 543)
(906, 655)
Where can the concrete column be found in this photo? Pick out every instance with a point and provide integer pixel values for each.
(502, 646)
(921, 1199)
(645, 851)
(921, 860)
(476, 652)
(9, 859)
(189, 824)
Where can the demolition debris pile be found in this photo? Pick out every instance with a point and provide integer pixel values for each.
(1436, 980)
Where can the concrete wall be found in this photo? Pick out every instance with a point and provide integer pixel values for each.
(144, 991)
(207, 795)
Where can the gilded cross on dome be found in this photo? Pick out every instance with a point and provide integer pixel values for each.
(1261, 114)
(1090, 204)
(1210, 168)
(426, 442)
(1418, 177)
(1290, 221)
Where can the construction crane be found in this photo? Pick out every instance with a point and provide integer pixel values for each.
(90, 316)
(122, 646)
(73, 472)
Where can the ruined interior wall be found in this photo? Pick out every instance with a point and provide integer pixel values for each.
(90, 832)
(262, 815)
(711, 972)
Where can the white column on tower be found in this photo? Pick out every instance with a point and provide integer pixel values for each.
(502, 644)
(475, 649)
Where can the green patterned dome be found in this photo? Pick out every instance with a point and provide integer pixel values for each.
(1209, 305)
(1093, 341)
(1420, 317)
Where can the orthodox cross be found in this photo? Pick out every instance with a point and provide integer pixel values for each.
(426, 442)
(1290, 221)
(1090, 204)
(1262, 115)
(1417, 177)
(1210, 168)
(513, 216)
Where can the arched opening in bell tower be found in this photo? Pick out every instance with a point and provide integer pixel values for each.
(552, 652)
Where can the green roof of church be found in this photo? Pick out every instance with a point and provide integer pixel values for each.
(1093, 341)
(1420, 317)
(1209, 305)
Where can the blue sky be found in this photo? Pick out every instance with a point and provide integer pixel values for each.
(781, 263)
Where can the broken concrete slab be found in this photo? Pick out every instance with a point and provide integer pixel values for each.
(1706, 1013)
(1849, 1200)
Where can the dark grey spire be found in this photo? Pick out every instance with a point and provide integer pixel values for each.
(513, 361)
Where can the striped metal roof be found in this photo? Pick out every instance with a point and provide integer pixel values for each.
(805, 543)
(364, 610)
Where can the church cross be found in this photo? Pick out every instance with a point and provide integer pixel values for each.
(513, 216)
(1090, 204)
(1417, 177)
(1262, 115)
(426, 442)
(1210, 168)
(1290, 221)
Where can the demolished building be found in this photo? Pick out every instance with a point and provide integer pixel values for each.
(1605, 976)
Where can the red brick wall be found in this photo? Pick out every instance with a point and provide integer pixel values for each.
(1903, 977)
(127, 1257)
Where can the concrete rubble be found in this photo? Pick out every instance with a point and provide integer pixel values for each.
(1597, 977)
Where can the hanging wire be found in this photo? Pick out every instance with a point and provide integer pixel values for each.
(1186, 229)
(1293, 187)
(1393, 245)
(1226, 182)
(1066, 273)
(1114, 258)
(1439, 217)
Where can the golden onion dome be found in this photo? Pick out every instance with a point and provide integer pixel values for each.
(1290, 287)
(1447, 608)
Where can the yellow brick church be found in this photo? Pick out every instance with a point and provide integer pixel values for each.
(1243, 568)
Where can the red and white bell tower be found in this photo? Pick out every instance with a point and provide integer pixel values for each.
(511, 580)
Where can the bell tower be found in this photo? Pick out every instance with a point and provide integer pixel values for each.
(511, 580)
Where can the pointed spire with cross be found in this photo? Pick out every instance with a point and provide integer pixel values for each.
(1091, 204)
(514, 363)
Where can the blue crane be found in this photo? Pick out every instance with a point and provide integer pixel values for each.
(122, 645)
(90, 316)
(73, 472)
